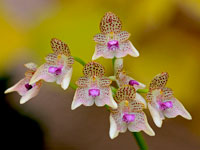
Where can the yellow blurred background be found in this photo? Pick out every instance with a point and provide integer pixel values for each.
(165, 32)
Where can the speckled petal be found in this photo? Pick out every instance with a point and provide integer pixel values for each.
(122, 36)
(31, 93)
(177, 109)
(126, 92)
(110, 23)
(101, 38)
(42, 73)
(104, 81)
(159, 81)
(82, 97)
(167, 92)
(93, 69)
(83, 82)
(102, 51)
(51, 58)
(60, 47)
(105, 97)
(140, 123)
(31, 66)
(139, 98)
(125, 49)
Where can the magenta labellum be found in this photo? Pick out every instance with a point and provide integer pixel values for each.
(128, 118)
(55, 70)
(94, 92)
(28, 86)
(113, 45)
(165, 105)
(133, 82)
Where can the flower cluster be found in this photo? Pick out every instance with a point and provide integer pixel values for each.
(125, 104)
(58, 67)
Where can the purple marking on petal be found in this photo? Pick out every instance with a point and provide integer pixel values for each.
(128, 118)
(55, 70)
(165, 105)
(28, 86)
(94, 92)
(133, 82)
(113, 45)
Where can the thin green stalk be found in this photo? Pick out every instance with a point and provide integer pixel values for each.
(143, 90)
(113, 62)
(72, 85)
(79, 60)
(140, 140)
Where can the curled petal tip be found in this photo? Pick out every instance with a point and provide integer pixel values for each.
(95, 56)
(134, 52)
(7, 91)
(113, 133)
(188, 116)
(151, 133)
(75, 103)
(22, 101)
(65, 82)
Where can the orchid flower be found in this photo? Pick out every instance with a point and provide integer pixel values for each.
(58, 66)
(123, 79)
(93, 87)
(26, 90)
(162, 103)
(129, 113)
(112, 42)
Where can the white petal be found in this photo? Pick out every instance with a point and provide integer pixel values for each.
(18, 87)
(30, 94)
(177, 109)
(105, 98)
(14, 87)
(155, 115)
(42, 73)
(75, 104)
(141, 99)
(112, 102)
(134, 51)
(148, 130)
(81, 97)
(66, 79)
(97, 52)
(113, 128)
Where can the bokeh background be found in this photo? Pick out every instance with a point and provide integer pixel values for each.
(165, 32)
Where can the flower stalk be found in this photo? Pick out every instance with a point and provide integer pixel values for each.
(140, 140)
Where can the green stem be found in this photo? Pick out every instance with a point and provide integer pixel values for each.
(143, 90)
(79, 60)
(114, 90)
(113, 62)
(72, 85)
(140, 140)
